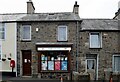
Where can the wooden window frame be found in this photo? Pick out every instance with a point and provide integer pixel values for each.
(22, 38)
(40, 65)
(61, 26)
(100, 39)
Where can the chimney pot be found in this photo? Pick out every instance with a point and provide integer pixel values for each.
(75, 2)
(76, 8)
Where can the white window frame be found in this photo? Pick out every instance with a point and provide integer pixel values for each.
(66, 32)
(1, 50)
(113, 69)
(3, 25)
(100, 37)
(23, 26)
(87, 63)
(97, 65)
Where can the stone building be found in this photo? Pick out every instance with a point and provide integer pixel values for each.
(99, 51)
(51, 45)
(47, 43)
(8, 43)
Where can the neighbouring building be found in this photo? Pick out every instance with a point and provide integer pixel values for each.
(99, 49)
(51, 45)
(8, 44)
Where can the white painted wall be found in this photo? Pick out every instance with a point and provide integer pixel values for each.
(9, 46)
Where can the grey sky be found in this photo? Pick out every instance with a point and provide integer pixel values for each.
(87, 8)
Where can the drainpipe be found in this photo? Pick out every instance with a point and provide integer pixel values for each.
(77, 46)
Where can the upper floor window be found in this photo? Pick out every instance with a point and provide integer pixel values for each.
(0, 51)
(62, 33)
(116, 63)
(95, 40)
(26, 32)
(2, 31)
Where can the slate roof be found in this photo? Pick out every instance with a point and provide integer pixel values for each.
(64, 16)
(10, 17)
(99, 24)
(86, 24)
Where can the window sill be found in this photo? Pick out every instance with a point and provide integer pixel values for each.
(62, 41)
(25, 40)
(116, 72)
(53, 71)
(2, 39)
(95, 48)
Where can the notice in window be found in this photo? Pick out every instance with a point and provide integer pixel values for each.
(64, 65)
(50, 65)
(57, 65)
(44, 65)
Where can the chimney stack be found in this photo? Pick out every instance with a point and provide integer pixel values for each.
(30, 7)
(119, 5)
(119, 10)
(76, 8)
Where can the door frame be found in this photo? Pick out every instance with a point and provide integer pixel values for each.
(22, 61)
(97, 63)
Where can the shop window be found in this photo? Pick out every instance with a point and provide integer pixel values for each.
(62, 33)
(54, 61)
(116, 63)
(2, 31)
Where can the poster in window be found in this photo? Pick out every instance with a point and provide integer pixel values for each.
(50, 65)
(44, 65)
(57, 65)
(45, 58)
(42, 57)
(64, 65)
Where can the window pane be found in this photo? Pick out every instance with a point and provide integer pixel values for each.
(95, 40)
(0, 51)
(90, 64)
(44, 65)
(2, 35)
(117, 63)
(57, 65)
(50, 65)
(2, 31)
(64, 65)
(26, 32)
(62, 35)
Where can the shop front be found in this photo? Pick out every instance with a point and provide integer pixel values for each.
(54, 60)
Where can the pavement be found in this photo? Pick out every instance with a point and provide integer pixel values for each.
(28, 79)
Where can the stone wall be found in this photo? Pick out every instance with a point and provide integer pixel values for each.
(47, 32)
(105, 54)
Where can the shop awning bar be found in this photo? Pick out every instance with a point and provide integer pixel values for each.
(54, 48)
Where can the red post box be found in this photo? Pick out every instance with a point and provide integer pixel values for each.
(12, 63)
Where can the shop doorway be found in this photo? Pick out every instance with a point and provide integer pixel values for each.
(26, 61)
